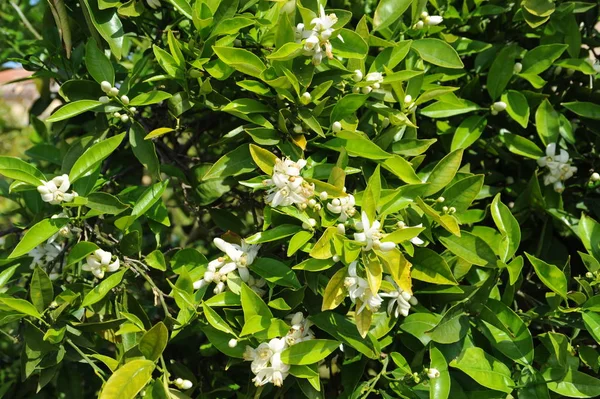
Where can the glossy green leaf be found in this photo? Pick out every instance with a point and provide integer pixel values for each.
(154, 341)
(430, 267)
(551, 276)
(102, 289)
(468, 132)
(17, 169)
(233, 163)
(108, 25)
(484, 369)
(584, 109)
(73, 109)
(97, 64)
(41, 291)
(242, 60)
(275, 272)
(128, 380)
(547, 123)
(308, 352)
(508, 227)
(517, 107)
(93, 156)
(573, 384)
(388, 11)
(444, 172)
(37, 234)
(437, 52)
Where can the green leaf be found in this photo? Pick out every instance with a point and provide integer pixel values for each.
(372, 195)
(430, 267)
(148, 198)
(233, 163)
(308, 352)
(41, 291)
(541, 58)
(461, 194)
(37, 234)
(275, 272)
(73, 109)
(17, 169)
(264, 159)
(506, 331)
(152, 97)
(584, 109)
(102, 289)
(144, 150)
(21, 306)
(93, 156)
(501, 71)
(388, 11)
(97, 64)
(357, 146)
(347, 106)
(442, 109)
(108, 24)
(418, 324)
(591, 320)
(183, 6)
(468, 132)
(452, 327)
(80, 251)
(286, 52)
(154, 341)
(539, 8)
(105, 203)
(402, 168)
(158, 132)
(274, 234)
(509, 228)
(216, 321)
(470, 248)
(6, 275)
(521, 146)
(298, 240)
(484, 369)
(573, 384)
(253, 305)
(351, 45)
(589, 233)
(156, 260)
(128, 380)
(547, 123)
(167, 63)
(517, 107)
(551, 276)
(335, 291)
(345, 331)
(240, 59)
(440, 387)
(438, 53)
(444, 172)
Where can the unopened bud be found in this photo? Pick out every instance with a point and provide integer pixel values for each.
(336, 258)
(499, 106)
(445, 209)
(356, 90)
(305, 98)
(297, 129)
(510, 180)
(366, 90)
(124, 118)
(117, 114)
(518, 67)
(186, 384)
(323, 196)
(407, 99)
(357, 75)
(133, 109)
(113, 92)
(232, 343)
(312, 202)
(125, 99)
(336, 126)
(312, 222)
(589, 275)
(595, 177)
(419, 25)
(440, 199)
(105, 86)
(341, 228)
(104, 99)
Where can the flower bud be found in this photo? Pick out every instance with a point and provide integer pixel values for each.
(104, 99)
(105, 86)
(357, 76)
(595, 177)
(589, 275)
(124, 118)
(133, 109)
(445, 209)
(385, 123)
(558, 70)
(178, 381)
(318, 207)
(323, 196)
(376, 85)
(113, 92)
(336, 258)
(297, 129)
(312, 202)
(407, 99)
(419, 25)
(510, 180)
(366, 90)
(424, 14)
(117, 114)
(440, 199)
(336, 126)
(434, 20)
(305, 98)
(341, 229)
(306, 226)
(186, 384)
(356, 90)
(499, 106)
(433, 373)
(232, 343)
(125, 99)
(401, 224)
(494, 112)
(518, 67)
(312, 222)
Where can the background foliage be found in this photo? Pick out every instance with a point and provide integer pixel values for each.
(447, 149)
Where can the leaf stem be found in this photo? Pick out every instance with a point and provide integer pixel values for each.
(97, 369)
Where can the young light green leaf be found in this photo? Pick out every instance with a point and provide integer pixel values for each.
(551, 276)
(438, 53)
(95, 154)
(240, 59)
(508, 227)
(468, 132)
(73, 109)
(308, 352)
(17, 169)
(154, 341)
(102, 289)
(128, 380)
(444, 172)
(547, 123)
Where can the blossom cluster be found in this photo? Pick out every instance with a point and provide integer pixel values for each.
(267, 365)
(558, 167)
(55, 190)
(286, 186)
(316, 40)
(235, 258)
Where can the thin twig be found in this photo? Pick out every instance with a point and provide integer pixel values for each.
(97, 369)
(26, 21)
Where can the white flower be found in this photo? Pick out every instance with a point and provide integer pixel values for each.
(44, 253)
(343, 206)
(433, 20)
(299, 330)
(358, 288)
(55, 190)
(237, 257)
(400, 299)
(558, 167)
(287, 186)
(371, 235)
(266, 362)
(433, 373)
(317, 39)
(99, 262)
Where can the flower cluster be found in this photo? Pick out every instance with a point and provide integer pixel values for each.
(99, 262)
(429, 20)
(371, 235)
(373, 80)
(558, 167)
(358, 289)
(400, 300)
(183, 384)
(287, 187)
(236, 257)
(44, 253)
(266, 358)
(316, 40)
(55, 190)
(343, 206)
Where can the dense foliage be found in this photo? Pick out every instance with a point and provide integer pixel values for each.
(252, 198)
